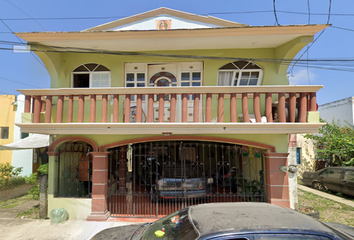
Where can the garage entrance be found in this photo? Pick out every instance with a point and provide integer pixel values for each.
(154, 179)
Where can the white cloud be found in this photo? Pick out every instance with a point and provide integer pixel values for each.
(302, 77)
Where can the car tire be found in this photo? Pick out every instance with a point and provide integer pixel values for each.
(319, 186)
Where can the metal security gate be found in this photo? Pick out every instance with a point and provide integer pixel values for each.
(154, 179)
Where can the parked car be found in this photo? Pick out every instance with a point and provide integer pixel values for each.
(183, 179)
(335, 179)
(246, 221)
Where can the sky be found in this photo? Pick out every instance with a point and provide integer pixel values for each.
(26, 71)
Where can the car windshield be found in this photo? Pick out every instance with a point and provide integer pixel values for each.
(173, 226)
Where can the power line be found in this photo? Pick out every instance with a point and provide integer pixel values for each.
(27, 15)
(307, 55)
(203, 14)
(275, 13)
(329, 16)
(10, 80)
(309, 12)
(21, 42)
(346, 29)
(329, 11)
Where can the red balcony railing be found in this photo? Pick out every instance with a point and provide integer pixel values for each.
(255, 104)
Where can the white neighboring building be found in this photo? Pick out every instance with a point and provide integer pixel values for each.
(21, 158)
(342, 110)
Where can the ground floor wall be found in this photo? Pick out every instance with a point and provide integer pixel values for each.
(95, 208)
(77, 208)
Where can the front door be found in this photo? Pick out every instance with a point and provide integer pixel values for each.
(163, 75)
(185, 74)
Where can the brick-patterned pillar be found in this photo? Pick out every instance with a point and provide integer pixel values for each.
(277, 181)
(99, 210)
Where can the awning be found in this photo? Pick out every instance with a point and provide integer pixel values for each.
(30, 142)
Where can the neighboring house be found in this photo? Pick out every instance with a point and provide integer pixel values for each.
(134, 99)
(340, 110)
(304, 154)
(20, 149)
(7, 124)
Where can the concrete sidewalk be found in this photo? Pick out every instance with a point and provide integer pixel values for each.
(326, 195)
(29, 229)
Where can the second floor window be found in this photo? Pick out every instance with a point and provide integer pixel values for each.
(91, 75)
(240, 73)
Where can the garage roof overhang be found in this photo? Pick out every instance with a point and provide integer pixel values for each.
(170, 128)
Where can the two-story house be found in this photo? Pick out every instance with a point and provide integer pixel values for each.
(165, 109)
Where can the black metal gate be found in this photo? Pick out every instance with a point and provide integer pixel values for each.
(163, 177)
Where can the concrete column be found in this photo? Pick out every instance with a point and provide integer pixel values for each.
(292, 176)
(99, 209)
(277, 181)
(52, 180)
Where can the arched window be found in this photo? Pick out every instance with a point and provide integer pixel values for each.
(91, 75)
(240, 73)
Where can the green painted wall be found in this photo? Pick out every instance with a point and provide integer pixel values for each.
(61, 65)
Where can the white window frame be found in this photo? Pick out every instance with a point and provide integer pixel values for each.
(240, 71)
(91, 73)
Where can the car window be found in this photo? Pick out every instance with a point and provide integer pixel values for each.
(289, 237)
(173, 226)
(332, 173)
(349, 176)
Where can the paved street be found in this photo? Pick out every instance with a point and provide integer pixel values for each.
(25, 229)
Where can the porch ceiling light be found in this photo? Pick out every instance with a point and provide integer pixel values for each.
(166, 133)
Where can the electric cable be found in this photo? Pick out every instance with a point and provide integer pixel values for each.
(328, 18)
(22, 42)
(275, 13)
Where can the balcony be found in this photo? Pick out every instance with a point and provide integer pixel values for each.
(172, 110)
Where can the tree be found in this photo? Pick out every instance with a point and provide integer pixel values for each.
(335, 143)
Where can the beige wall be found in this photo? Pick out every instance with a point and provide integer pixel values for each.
(307, 154)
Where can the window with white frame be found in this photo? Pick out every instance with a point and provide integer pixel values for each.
(240, 73)
(135, 79)
(191, 79)
(91, 75)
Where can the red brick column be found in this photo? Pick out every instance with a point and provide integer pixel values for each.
(277, 181)
(99, 210)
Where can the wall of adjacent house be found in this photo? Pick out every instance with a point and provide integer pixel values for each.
(7, 119)
(21, 158)
(342, 110)
(307, 155)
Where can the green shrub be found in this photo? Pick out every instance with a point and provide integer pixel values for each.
(10, 183)
(32, 179)
(43, 169)
(34, 192)
(7, 171)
